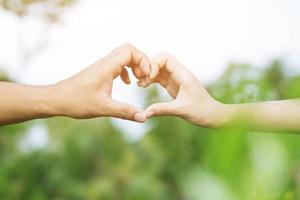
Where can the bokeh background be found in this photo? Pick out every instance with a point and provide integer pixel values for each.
(243, 51)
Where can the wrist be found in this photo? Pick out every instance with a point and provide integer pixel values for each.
(66, 101)
(224, 114)
(52, 101)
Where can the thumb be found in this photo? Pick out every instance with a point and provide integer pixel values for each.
(126, 111)
(161, 109)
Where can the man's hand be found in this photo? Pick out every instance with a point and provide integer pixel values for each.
(85, 95)
(191, 101)
(88, 93)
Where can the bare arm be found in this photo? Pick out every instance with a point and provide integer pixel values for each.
(193, 103)
(273, 115)
(84, 95)
(23, 102)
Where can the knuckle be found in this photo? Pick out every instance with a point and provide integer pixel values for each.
(162, 58)
(127, 47)
(164, 55)
(160, 54)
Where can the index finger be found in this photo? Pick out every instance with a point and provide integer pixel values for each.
(170, 64)
(128, 55)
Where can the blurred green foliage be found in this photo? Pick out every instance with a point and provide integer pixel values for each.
(90, 159)
(4, 76)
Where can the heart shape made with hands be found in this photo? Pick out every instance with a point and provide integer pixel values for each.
(90, 90)
(163, 69)
(170, 74)
(190, 101)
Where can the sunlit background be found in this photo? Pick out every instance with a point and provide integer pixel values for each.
(244, 51)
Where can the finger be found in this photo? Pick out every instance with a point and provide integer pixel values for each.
(144, 82)
(154, 70)
(161, 109)
(162, 78)
(125, 76)
(140, 61)
(128, 55)
(155, 76)
(126, 111)
(165, 61)
(137, 72)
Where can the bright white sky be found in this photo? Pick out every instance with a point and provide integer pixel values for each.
(204, 35)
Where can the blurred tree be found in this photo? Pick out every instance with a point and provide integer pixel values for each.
(4, 76)
(51, 9)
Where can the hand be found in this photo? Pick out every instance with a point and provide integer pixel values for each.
(191, 100)
(88, 93)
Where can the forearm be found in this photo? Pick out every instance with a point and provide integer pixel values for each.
(274, 116)
(23, 102)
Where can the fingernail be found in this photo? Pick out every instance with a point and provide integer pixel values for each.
(151, 77)
(140, 117)
(149, 114)
(144, 83)
(148, 80)
(148, 68)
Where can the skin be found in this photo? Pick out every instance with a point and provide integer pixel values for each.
(194, 104)
(84, 95)
(88, 95)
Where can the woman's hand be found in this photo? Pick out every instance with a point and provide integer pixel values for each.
(191, 100)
